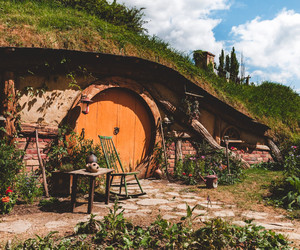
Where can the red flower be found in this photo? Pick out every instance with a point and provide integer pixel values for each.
(190, 175)
(8, 191)
(183, 173)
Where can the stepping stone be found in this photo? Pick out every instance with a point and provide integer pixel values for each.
(129, 207)
(145, 211)
(152, 202)
(153, 191)
(132, 214)
(270, 226)
(255, 215)
(172, 194)
(55, 224)
(210, 206)
(291, 236)
(239, 223)
(160, 196)
(164, 207)
(17, 227)
(180, 214)
(224, 213)
(169, 217)
(189, 201)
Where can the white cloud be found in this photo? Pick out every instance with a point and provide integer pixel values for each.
(271, 45)
(185, 24)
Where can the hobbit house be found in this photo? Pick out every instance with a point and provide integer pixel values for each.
(132, 99)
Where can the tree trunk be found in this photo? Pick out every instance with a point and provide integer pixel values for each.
(275, 152)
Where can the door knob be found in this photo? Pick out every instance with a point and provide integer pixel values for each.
(116, 130)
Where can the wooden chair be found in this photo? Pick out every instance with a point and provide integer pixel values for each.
(113, 162)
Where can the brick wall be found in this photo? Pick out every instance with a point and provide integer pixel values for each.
(186, 149)
(254, 156)
(249, 155)
(31, 156)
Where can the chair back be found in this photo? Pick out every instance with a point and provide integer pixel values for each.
(110, 153)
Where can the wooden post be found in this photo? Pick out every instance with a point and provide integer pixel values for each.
(178, 151)
(41, 163)
(8, 102)
(91, 194)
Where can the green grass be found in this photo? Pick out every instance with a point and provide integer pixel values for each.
(49, 24)
(254, 187)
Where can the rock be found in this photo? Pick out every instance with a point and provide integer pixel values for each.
(55, 224)
(151, 202)
(17, 227)
(224, 213)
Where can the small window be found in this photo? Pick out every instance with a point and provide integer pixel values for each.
(232, 133)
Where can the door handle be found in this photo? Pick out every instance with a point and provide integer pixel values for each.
(116, 130)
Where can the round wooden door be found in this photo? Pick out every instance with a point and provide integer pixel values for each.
(122, 114)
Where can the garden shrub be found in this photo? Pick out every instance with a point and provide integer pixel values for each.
(28, 186)
(208, 162)
(286, 192)
(116, 232)
(10, 164)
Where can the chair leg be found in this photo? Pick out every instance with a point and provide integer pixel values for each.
(125, 185)
(138, 182)
(121, 185)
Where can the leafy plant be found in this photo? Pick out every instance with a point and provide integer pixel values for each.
(219, 234)
(28, 186)
(208, 162)
(89, 227)
(38, 242)
(8, 201)
(10, 163)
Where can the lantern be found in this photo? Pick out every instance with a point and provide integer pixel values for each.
(85, 104)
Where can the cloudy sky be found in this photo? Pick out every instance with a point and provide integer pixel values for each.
(266, 32)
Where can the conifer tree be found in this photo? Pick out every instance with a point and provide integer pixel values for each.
(221, 69)
(234, 66)
(227, 64)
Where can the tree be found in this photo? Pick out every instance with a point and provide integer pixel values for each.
(227, 64)
(221, 69)
(234, 66)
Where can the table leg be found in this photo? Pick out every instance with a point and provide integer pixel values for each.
(91, 194)
(74, 191)
(107, 189)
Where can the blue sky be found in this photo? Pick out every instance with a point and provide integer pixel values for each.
(267, 32)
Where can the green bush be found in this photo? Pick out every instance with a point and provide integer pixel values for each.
(10, 164)
(28, 187)
(116, 232)
(208, 162)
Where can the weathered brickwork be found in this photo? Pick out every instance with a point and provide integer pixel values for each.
(250, 156)
(255, 156)
(31, 155)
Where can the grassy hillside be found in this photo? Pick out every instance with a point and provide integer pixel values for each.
(95, 25)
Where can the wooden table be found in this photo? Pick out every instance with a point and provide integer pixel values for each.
(92, 176)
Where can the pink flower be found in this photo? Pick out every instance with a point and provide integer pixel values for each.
(294, 147)
(233, 148)
(202, 157)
